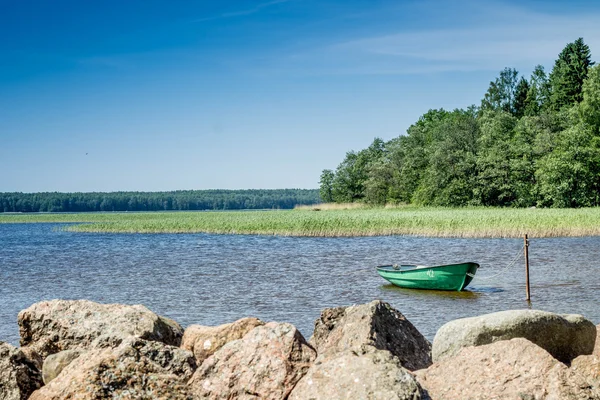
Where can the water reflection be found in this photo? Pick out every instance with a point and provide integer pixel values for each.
(214, 279)
(468, 293)
(485, 289)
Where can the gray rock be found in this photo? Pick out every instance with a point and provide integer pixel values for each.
(137, 369)
(348, 375)
(204, 341)
(375, 325)
(509, 369)
(19, 376)
(597, 346)
(57, 325)
(266, 363)
(55, 363)
(563, 336)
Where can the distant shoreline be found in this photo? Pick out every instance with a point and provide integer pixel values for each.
(413, 221)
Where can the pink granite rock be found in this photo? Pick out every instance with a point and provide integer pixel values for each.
(204, 341)
(509, 369)
(266, 363)
(19, 376)
(348, 375)
(375, 325)
(136, 369)
(57, 325)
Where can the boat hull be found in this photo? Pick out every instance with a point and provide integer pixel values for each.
(443, 277)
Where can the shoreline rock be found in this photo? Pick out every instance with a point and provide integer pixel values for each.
(52, 326)
(266, 363)
(507, 369)
(563, 336)
(19, 376)
(137, 368)
(88, 350)
(55, 363)
(375, 325)
(204, 341)
(348, 375)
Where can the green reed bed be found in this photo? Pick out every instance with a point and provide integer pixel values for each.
(440, 222)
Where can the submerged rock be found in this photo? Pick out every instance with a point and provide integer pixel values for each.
(348, 375)
(266, 363)
(19, 376)
(563, 336)
(137, 369)
(509, 369)
(375, 325)
(58, 325)
(204, 341)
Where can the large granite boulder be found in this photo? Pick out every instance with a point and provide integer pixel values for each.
(563, 336)
(55, 363)
(510, 369)
(348, 375)
(57, 325)
(137, 369)
(375, 325)
(204, 341)
(266, 363)
(588, 367)
(19, 376)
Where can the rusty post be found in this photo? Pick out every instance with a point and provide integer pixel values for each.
(527, 268)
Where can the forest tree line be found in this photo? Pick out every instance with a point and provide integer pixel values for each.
(530, 142)
(158, 201)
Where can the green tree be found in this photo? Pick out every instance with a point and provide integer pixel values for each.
(539, 92)
(378, 183)
(568, 74)
(352, 173)
(569, 176)
(523, 159)
(409, 154)
(326, 186)
(449, 179)
(530, 142)
(501, 94)
(520, 103)
(589, 108)
(494, 184)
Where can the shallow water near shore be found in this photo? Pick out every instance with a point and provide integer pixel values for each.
(214, 279)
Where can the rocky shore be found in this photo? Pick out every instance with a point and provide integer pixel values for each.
(85, 350)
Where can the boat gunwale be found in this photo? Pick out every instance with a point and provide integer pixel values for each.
(390, 267)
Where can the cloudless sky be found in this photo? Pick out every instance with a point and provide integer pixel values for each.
(149, 95)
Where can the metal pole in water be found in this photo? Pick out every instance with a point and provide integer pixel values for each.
(526, 248)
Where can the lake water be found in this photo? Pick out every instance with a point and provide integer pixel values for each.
(215, 279)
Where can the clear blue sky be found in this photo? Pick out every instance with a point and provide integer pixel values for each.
(165, 95)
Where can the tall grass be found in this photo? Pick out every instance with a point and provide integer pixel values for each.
(330, 206)
(439, 222)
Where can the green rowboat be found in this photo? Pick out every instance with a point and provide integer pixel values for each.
(440, 277)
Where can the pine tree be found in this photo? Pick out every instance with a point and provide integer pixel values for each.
(568, 74)
(520, 102)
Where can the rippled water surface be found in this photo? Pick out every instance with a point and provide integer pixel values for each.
(214, 279)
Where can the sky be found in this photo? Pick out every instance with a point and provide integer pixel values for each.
(151, 95)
